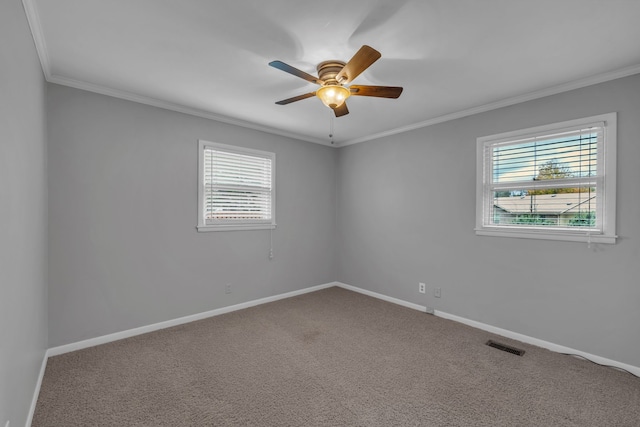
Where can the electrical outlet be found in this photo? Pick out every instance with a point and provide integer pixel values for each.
(422, 288)
(437, 292)
(227, 288)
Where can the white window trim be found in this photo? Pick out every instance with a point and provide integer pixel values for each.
(606, 163)
(239, 225)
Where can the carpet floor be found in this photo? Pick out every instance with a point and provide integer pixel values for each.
(329, 358)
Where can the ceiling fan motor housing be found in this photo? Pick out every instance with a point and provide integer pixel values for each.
(328, 70)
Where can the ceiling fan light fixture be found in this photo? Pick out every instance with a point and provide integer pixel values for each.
(333, 96)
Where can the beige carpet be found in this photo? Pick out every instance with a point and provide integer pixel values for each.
(329, 358)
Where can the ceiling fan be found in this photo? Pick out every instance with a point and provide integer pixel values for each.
(333, 75)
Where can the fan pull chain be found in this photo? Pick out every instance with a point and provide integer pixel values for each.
(331, 127)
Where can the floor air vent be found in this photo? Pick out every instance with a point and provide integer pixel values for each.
(506, 348)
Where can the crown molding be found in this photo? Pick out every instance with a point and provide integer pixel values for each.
(33, 18)
(565, 87)
(41, 48)
(129, 96)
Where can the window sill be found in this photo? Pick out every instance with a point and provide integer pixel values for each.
(234, 227)
(543, 235)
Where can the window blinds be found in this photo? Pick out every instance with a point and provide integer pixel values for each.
(550, 181)
(237, 187)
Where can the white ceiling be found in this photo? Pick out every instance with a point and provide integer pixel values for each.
(453, 57)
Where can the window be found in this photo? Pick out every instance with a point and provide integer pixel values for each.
(549, 182)
(236, 188)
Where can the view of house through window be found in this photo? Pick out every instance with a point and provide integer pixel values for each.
(549, 180)
(549, 195)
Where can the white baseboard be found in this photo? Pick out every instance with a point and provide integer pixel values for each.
(499, 331)
(539, 343)
(382, 297)
(54, 351)
(36, 392)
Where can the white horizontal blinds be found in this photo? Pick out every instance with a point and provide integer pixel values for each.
(237, 187)
(549, 181)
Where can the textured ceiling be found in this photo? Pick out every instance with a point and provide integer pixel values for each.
(453, 57)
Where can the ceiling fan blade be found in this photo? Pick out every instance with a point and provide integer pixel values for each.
(298, 73)
(356, 65)
(341, 110)
(378, 91)
(296, 98)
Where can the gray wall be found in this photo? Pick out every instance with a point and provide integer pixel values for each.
(406, 213)
(123, 250)
(123, 247)
(23, 210)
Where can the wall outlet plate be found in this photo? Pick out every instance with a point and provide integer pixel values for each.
(422, 288)
(437, 292)
(227, 288)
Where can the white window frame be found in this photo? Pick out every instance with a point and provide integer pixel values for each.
(606, 189)
(233, 224)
